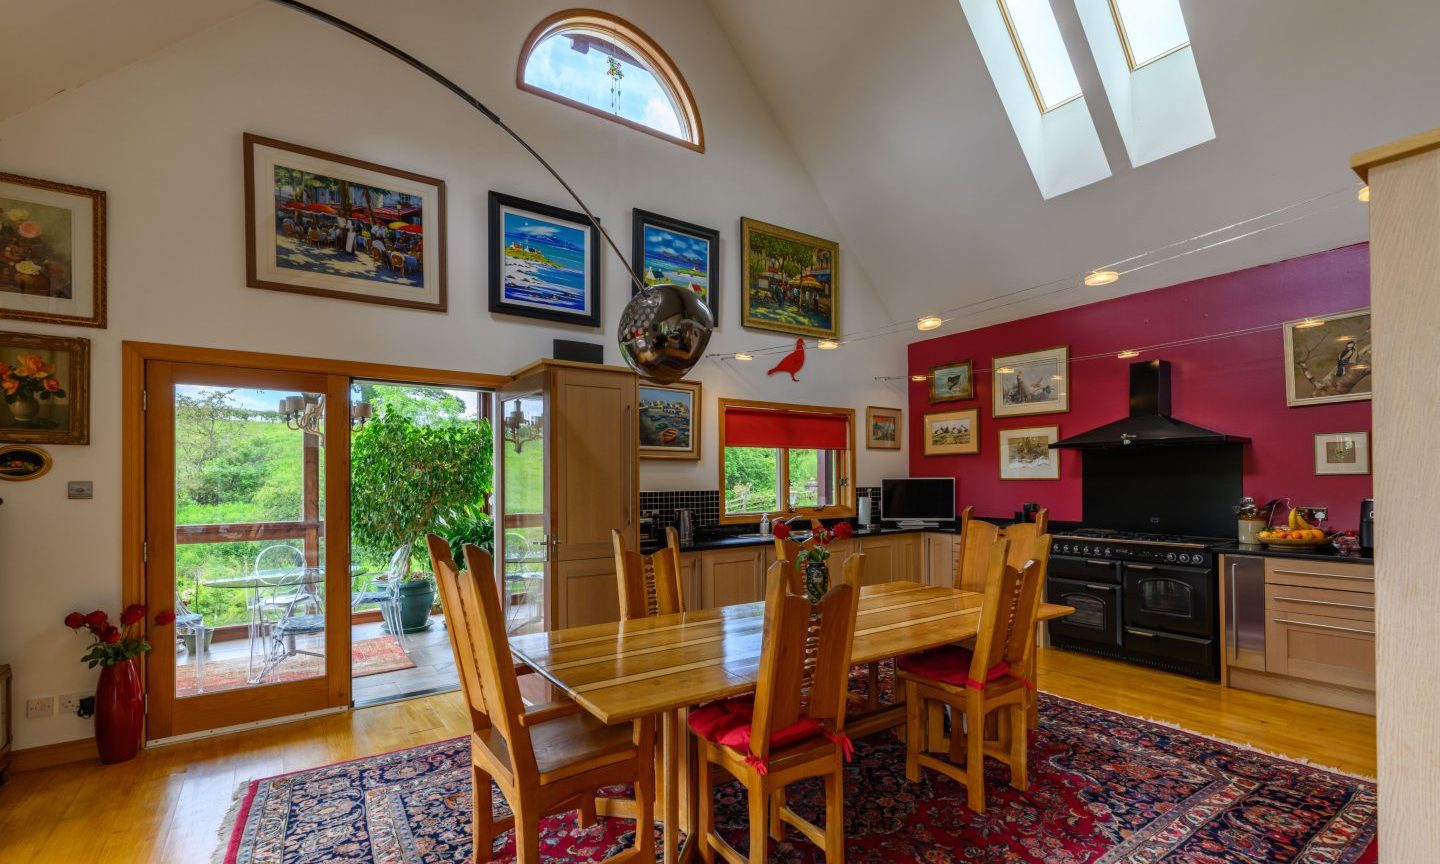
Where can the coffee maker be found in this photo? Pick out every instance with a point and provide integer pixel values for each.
(1367, 526)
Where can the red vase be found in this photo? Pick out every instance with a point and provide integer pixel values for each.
(119, 712)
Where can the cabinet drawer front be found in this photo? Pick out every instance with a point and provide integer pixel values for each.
(1320, 648)
(1338, 575)
(1355, 605)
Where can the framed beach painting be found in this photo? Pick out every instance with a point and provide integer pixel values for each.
(669, 426)
(1037, 382)
(789, 281)
(544, 262)
(1025, 454)
(952, 382)
(953, 433)
(20, 462)
(883, 428)
(331, 226)
(45, 384)
(671, 252)
(52, 252)
(1342, 453)
(1328, 359)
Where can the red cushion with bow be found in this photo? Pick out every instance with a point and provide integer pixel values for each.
(728, 722)
(951, 665)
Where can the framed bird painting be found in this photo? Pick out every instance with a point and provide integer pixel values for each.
(952, 382)
(1328, 358)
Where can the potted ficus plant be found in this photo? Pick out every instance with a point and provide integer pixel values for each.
(814, 557)
(119, 701)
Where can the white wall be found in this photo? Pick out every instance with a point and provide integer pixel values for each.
(162, 137)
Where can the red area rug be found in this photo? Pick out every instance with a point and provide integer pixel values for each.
(367, 657)
(1104, 789)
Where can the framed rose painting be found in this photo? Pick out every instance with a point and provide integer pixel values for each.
(45, 385)
(52, 252)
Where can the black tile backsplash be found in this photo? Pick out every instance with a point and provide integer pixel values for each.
(705, 505)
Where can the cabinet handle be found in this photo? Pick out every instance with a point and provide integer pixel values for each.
(1323, 626)
(1325, 603)
(1095, 563)
(1099, 587)
(1139, 567)
(1133, 632)
(1230, 618)
(629, 470)
(1370, 578)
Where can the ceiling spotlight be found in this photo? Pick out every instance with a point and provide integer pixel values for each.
(929, 322)
(1127, 354)
(1364, 194)
(743, 356)
(1308, 323)
(1097, 278)
(827, 344)
(919, 377)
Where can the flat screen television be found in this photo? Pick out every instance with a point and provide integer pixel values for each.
(917, 499)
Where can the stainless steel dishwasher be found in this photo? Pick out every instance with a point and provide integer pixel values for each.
(1244, 597)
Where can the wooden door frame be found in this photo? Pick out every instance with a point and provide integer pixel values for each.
(133, 357)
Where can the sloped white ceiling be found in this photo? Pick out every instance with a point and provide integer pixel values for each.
(893, 114)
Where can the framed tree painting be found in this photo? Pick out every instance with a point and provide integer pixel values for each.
(45, 384)
(1037, 382)
(52, 252)
(953, 433)
(544, 262)
(669, 426)
(1025, 454)
(788, 281)
(331, 226)
(1328, 359)
(671, 252)
(952, 382)
(883, 428)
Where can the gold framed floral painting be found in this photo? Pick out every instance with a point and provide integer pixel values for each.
(52, 252)
(45, 385)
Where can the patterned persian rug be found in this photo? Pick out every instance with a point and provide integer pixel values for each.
(1105, 789)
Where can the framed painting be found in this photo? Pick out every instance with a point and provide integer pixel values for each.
(19, 462)
(52, 252)
(669, 426)
(953, 433)
(671, 252)
(952, 382)
(544, 262)
(331, 226)
(1037, 382)
(1328, 359)
(1342, 453)
(45, 382)
(883, 428)
(1025, 454)
(789, 281)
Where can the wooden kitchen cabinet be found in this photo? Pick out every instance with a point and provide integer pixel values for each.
(586, 591)
(1337, 651)
(940, 551)
(891, 559)
(730, 576)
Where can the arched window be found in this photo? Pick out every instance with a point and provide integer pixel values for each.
(607, 66)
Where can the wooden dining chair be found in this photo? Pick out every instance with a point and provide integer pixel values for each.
(649, 584)
(978, 682)
(546, 759)
(792, 729)
(976, 538)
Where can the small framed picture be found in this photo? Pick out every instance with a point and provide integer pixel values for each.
(544, 262)
(331, 226)
(1037, 382)
(19, 462)
(883, 427)
(671, 252)
(52, 252)
(953, 433)
(1342, 453)
(45, 383)
(1025, 454)
(952, 382)
(1328, 358)
(669, 426)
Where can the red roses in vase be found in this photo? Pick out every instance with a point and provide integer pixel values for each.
(813, 555)
(119, 699)
(115, 644)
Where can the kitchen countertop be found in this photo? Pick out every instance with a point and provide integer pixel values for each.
(1324, 553)
(704, 544)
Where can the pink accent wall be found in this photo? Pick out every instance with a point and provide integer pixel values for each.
(1234, 385)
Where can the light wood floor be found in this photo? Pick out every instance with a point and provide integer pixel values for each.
(168, 804)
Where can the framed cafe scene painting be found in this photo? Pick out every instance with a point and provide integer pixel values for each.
(52, 252)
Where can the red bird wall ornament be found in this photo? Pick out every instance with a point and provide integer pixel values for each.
(792, 362)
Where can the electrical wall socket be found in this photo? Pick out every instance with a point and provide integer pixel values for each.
(39, 707)
(70, 704)
(1315, 515)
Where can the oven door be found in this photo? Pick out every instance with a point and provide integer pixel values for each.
(1097, 610)
(1172, 599)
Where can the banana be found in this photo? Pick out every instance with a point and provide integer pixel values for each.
(1298, 521)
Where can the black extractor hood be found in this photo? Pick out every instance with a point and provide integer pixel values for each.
(1149, 423)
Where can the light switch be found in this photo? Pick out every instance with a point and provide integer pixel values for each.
(80, 489)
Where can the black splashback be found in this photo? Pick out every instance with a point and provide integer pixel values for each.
(1178, 490)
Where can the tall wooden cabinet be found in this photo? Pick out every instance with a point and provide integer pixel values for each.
(558, 502)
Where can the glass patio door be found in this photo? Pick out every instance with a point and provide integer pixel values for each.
(247, 536)
(522, 537)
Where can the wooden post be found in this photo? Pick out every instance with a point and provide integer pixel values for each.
(310, 498)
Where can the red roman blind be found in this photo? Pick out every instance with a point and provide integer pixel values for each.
(797, 430)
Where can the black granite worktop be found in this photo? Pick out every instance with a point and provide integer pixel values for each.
(716, 538)
(1323, 553)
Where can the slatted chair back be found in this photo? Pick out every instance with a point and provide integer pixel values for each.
(782, 697)
(649, 584)
(484, 618)
(1022, 536)
(1007, 616)
(447, 576)
(977, 537)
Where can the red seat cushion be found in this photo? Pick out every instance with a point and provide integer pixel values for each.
(728, 722)
(949, 664)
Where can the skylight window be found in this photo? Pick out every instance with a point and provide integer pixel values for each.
(1149, 29)
(1042, 52)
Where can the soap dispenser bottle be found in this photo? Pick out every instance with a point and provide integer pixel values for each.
(765, 524)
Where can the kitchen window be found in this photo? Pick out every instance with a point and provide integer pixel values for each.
(791, 459)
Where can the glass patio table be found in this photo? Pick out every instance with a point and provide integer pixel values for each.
(303, 579)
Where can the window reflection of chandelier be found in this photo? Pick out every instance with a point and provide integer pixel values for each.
(306, 413)
(517, 428)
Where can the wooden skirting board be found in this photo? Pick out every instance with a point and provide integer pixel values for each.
(49, 755)
(1344, 698)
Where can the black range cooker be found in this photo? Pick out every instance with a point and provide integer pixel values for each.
(1145, 598)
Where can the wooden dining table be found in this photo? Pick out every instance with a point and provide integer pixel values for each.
(624, 671)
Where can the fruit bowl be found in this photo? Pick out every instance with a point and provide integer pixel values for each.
(1308, 543)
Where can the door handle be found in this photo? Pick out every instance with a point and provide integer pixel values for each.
(1094, 587)
(1234, 633)
(629, 469)
(1139, 567)
(1323, 626)
(1097, 563)
(1133, 632)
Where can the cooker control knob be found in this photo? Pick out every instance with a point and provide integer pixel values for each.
(1184, 557)
(1107, 551)
(1169, 556)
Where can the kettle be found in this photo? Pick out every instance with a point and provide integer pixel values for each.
(685, 524)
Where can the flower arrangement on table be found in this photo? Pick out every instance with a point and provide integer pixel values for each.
(115, 644)
(812, 559)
